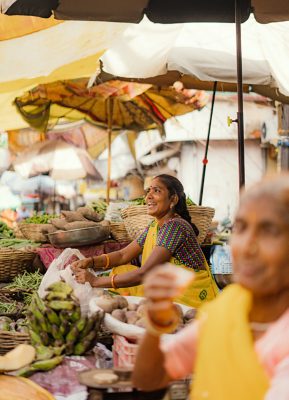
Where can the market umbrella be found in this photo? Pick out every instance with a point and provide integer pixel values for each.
(164, 11)
(115, 104)
(61, 160)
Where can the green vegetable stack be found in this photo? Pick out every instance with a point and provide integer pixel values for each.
(56, 325)
(98, 206)
(40, 219)
(5, 232)
(17, 243)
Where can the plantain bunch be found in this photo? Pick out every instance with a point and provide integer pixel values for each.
(57, 328)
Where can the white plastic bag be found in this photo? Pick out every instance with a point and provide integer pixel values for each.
(60, 269)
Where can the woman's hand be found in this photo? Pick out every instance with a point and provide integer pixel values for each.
(160, 289)
(82, 264)
(83, 275)
(97, 263)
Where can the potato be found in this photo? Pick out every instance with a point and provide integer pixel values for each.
(132, 307)
(141, 311)
(106, 302)
(190, 314)
(131, 317)
(120, 315)
(142, 302)
(122, 301)
(141, 322)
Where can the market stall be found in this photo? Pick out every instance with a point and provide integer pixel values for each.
(82, 342)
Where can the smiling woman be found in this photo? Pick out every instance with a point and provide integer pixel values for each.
(171, 237)
(238, 347)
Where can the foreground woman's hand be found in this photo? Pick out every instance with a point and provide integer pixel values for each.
(160, 289)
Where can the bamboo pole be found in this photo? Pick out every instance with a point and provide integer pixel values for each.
(109, 129)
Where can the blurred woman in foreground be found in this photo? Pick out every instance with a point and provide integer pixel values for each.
(238, 348)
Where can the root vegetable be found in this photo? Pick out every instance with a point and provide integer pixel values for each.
(141, 322)
(141, 310)
(106, 302)
(120, 315)
(131, 317)
(132, 307)
(122, 301)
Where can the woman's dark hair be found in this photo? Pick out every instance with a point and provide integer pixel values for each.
(174, 186)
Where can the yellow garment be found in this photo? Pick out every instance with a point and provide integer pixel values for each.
(129, 291)
(227, 366)
(203, 288)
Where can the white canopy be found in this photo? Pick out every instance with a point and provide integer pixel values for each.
(34, 51)
(204, 50)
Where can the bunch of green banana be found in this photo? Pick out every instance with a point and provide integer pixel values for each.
(57, 327)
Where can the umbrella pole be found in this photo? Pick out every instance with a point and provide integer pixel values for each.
(205, 160)
(109, 128)
(240, 114)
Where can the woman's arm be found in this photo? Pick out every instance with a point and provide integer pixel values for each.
(149, 372)
(159, 363)
(158, 256)
(116, 258)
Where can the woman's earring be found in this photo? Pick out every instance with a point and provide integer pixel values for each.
(171, 206)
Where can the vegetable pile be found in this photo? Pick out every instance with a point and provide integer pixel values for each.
(39, 219)
(17, 243)
(5, 231)
(8, 325)
(132, 313)
(99, 206)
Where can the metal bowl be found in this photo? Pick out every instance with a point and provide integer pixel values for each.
(79, 237)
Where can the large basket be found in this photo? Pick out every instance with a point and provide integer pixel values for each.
(136, 220)
(202, 218)
(17, 232)
(14, 262)
(9, 340)
(118, 232)
(35, 232)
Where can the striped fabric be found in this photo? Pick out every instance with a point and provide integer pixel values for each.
(178, 237)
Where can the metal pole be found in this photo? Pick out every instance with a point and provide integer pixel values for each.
(240, 114)
(205, 160)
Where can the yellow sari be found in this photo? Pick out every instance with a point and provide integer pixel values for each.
(202, 289)
(227, 366)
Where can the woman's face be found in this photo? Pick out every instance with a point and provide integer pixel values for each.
(260, 247)
(158, 199)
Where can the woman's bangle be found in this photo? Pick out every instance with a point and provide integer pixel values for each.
(157, 330)
(93, 266)
(113, 285)
(107, 261)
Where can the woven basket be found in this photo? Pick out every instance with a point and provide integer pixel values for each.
(118, 232)
(14, 262)
(9, 340)
(136, 220)
(35, 232)
(202, 218)
(17, 232)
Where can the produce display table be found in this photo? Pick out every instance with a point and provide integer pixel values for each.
(48, 253)
(62, 382)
